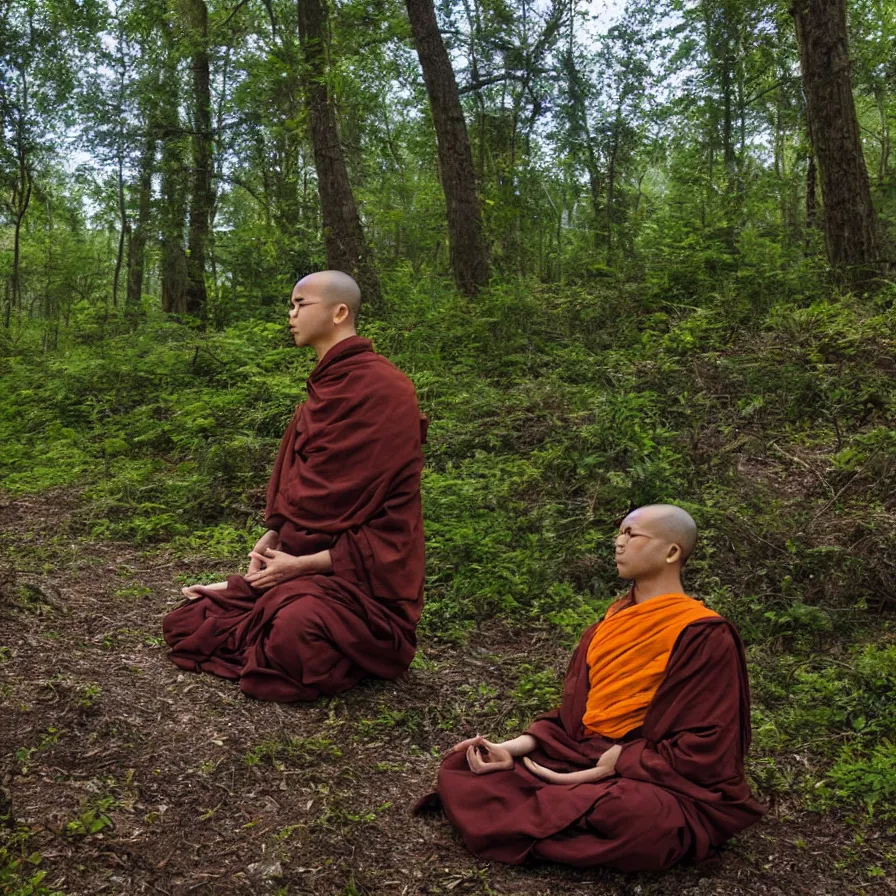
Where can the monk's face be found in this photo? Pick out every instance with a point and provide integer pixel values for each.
(310, 317)
(642, 548)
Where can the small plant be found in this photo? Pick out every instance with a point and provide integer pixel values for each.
(537, 690)
(86, 695)
(133, 591)
(291, 749)
(92, 819)
(868, 779)
(337, 818)
(19, 871)
(26, 755)
(389, 719)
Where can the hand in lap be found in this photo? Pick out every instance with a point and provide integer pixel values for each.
(483, 756)
(190, 592)
(274, 567)
(606, 766)
(270, 539)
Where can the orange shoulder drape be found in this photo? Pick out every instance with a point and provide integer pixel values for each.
(627, 659)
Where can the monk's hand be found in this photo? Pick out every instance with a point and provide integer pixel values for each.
(275, 567)
(585, 776)
(270, 539)
(483, 756)
(191, 592)
(607, 762)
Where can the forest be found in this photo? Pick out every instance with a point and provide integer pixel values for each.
(628, 251)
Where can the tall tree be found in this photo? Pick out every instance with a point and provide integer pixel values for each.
(469, 258)
(202, 194)
(140, 233)
(42, 45)
(173, 200)
(850, 222)
(344, 240)
(19, 148)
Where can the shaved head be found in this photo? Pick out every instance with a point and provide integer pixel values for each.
(669, 522)
(332, 288)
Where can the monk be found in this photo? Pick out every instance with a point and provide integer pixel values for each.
(642, 766)
(334, 588)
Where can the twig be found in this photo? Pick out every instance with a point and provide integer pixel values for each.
(809, 467)
(845, 487)
(774, 547)
(794, 669)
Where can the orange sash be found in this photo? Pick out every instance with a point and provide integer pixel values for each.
(627, 659)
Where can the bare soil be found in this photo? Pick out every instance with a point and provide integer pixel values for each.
(127, 776)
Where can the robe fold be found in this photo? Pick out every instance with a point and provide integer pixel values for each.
(347, 480)
(679, 791)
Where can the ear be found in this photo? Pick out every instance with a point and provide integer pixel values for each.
(674, 554)
(340, 316)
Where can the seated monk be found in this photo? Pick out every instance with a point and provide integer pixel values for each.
(642, 766)
(334, 588)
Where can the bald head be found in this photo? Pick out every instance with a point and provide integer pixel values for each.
(332, 288)
(670, 523)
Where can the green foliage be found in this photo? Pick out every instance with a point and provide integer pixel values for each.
(92, 819)
(162, 420)
(28, 756)
(20, 874)
(869, 780)
(552, 413)
(537, 690)
(291, 750)
(852, 693)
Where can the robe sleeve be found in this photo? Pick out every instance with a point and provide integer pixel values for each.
(698, 718)
(385, 553)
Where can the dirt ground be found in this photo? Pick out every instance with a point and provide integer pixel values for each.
(127, 776)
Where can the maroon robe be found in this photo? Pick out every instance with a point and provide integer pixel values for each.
(679, 791)
(347, 480)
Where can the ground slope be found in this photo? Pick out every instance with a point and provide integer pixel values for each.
(127, 776)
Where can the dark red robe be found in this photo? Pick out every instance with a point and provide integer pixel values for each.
(679, 792)
(347, 479)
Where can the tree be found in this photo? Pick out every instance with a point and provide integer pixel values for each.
(344, 240)
(469, 259)
(850, 222)
(173, 204)
(140, 232)
(202, 196)
(42, 45)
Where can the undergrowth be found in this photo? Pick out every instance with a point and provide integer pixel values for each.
(553, 413)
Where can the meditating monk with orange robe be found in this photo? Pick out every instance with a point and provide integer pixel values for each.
(642, 766)
(335, 586)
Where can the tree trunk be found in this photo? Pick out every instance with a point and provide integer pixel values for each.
(611, 191)
(880, 98)
(850, 222)
(173, 212)
(173, 215)
(22, 189)
(123, 230)
(16, 264)
(137, 251)
(811, 194)
(201, 196)
(344, 241)
(469, 259)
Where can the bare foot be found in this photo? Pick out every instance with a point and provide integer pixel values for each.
(193, 592)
